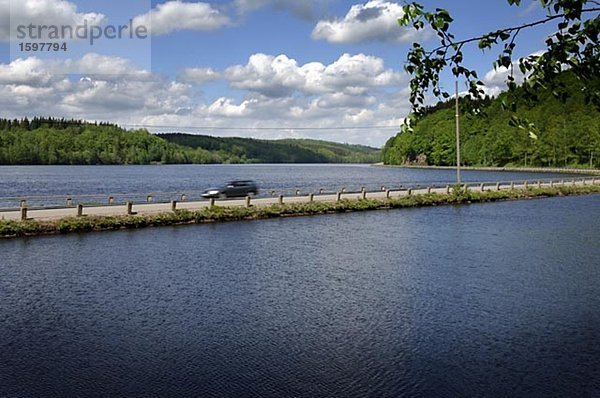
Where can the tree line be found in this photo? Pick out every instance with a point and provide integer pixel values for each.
(52, 141)
(568, 133)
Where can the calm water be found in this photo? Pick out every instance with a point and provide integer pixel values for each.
(18, 181)
(481, 300)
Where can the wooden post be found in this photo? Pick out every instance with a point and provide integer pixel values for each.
(23, 213)
(280, 199)
(212, 202)
(497, 186)
(79, 210)
(448, 189)
(248, 201)
(111, 200)
(526, 184)
(409, 191)
(387, 193)
(311, 197)
(482, 187)
(23, 203)
(339, 196)
(173, 205)
(129, 208)
(149, 199)
(583, 182)
(69, 202)
(512, 185)
(428, 189)
(574, 183)
(552, 184)
(364, 194)
(539, 185)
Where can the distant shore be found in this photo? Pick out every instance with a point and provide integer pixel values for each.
(565, 170)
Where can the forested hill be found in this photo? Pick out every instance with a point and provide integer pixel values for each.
(48, 141)
(278, 151)
(568, 134)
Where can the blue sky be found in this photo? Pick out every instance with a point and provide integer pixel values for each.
(329, 69)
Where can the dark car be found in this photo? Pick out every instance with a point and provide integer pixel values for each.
(233, 189)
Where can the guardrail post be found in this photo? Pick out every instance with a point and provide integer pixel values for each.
(23, 213)
(447, 189)
(526, 184)
(552, 184)
(409, 191)
(539, 185)
(129, 208)
(297, 192)
(387, 193)
(183, 197)
(280, 199)
(23, 203)
(583, 181)
(69, 202)
(339, 196)
(512, 185)
(311, 197)
(273, 193)
(364, 194)
(574, 182)
(428, 189)
(482, 187)
(173, 205)
(111, 200)
(497, 186)
(149, 199)
(466, 187)
(248, 201)
(79, 210)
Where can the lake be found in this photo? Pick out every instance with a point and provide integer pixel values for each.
(91, 184)
(478, 300)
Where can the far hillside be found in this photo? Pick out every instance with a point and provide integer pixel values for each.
(52, 141)
(568, 133)
(248, 150)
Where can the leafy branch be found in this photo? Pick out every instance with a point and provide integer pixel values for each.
(574, 46)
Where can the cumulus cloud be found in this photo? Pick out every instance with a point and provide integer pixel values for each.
(55, 12)
(269, 91)
(177, 15)
(279, 76)
(198, 75)
(374, 21)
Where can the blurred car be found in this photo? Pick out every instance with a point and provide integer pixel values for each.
(233, 189)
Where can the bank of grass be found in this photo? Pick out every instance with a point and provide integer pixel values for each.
(10, 229)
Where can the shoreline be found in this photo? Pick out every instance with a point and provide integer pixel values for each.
(31, 228)
(549, 170)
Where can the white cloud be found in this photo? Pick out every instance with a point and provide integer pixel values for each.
(198, 75)
(42, 12)
(355, 90)
(377, 20)
(281, 76)
(176, 15)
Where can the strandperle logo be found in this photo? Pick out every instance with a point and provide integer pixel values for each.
(84, 31)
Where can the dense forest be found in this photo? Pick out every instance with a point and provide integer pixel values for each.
(49, 141)
(568, 133)
(278, 151)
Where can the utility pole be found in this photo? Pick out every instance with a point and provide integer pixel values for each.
(457, 138)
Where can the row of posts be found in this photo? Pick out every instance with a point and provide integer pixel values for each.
(248, 203)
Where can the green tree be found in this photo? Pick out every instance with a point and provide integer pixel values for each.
(575, 46)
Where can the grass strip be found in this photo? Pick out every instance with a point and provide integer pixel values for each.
(11, 229)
